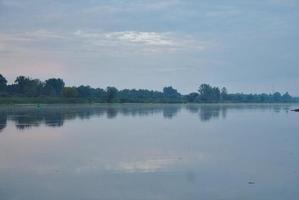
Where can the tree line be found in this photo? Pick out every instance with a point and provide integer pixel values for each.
(55, 87)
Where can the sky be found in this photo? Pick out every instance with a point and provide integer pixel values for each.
(247, 46)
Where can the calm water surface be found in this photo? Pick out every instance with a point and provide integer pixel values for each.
(149, 152)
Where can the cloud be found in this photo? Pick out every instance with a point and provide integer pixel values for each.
(145, 38)
(94, 44)
(134, 37)
(115, 44)
(32, 36)
(153, 41)
(37, 42)
(44, 34)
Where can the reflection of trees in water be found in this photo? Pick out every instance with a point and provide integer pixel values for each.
(26, 119)
(55, 115)
(3, 121)
(139, 110)
(207, 112)
(111, 113)
(54, 119)
(168, 111)
(171, 111)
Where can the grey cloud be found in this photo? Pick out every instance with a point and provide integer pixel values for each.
(148, 43)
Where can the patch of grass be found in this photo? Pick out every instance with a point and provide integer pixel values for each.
(46, 100)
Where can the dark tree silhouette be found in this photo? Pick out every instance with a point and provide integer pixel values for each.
(27, 86)
(3, 84)
(169, 92)
(111, 94)
(70, 92)
(55, 87)
(208, 93)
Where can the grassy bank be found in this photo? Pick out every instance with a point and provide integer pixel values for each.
(64, 100)
(45, 100)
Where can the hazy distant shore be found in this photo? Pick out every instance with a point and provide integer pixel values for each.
(61, 100)
(27, 90)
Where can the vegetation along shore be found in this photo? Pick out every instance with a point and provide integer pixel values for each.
(53, 90)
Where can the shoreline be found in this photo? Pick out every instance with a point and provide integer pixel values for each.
(79, 101)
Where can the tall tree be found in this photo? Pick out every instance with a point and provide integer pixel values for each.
(3, 84)
(286, 97)
(170, 92)
(209, 93)
(28, 87)
(224, 94)
(70, 92)
(277, 97)
(192, 97)
(111, 94)
(54, 87)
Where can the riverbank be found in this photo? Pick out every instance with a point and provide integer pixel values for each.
(64, 100)
(46, 100)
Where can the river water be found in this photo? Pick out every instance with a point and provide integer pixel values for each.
(149, 152)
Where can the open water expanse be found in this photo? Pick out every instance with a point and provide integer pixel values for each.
(149, 152)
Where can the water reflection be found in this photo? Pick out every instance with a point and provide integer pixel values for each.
(149, 151)
(3, 121)
(55, 115)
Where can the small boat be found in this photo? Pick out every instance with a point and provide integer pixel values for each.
(296, 110)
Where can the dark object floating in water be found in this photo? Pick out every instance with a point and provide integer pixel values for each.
(296, 110)
(251, 182)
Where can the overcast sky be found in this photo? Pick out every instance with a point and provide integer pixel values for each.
(250, 46)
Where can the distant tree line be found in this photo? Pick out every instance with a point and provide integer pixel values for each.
(55, 87)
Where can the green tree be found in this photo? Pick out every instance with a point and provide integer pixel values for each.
(111, 94)
(286, 97)
(3, 84)
(54, 87)
(224, 94)
(170, 92)
(100, 93)
(192, 97)
(87, 91)
(70, 92)
(27, 86)
(277, 97)
(208, 93)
